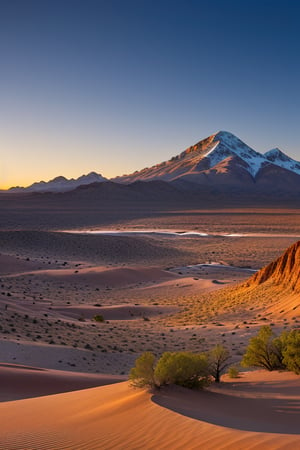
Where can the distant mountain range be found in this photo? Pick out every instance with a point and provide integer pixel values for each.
(61, 184)
(220, 163)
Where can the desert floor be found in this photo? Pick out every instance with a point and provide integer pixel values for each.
(155, 292)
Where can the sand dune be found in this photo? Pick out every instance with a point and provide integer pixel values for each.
(199, 283)
(120, 417)
(284, 303)
(100, 276)
(66, 358)
(18, 382)
(13, 265)
(116, 312)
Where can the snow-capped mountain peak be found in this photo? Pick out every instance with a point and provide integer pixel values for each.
(229, 145)
(206, 155)
(277, 157)
(274, 153)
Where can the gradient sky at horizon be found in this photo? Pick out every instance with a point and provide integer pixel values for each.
(114, 86)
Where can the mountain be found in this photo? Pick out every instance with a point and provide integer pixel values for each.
(222, 159)
(220, 164)
(201, 158)
(279, 158)
(61, 184)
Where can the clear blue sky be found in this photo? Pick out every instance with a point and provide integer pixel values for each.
(118, 85)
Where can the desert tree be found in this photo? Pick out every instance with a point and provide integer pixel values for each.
(219, 359)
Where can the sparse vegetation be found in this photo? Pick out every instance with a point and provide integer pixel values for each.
(182, 368)
(99, 318)
(264, 350)
(191, 370)
(291, 350)
(274, 352)
(142, 374)
(233, 372)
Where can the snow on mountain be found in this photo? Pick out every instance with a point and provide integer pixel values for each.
(203, 156)
(276, 156)
(229, 145)
(61, 184)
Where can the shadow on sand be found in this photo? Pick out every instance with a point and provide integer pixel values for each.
(268, 415)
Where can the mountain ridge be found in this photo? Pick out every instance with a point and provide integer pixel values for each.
(221, 160)
(207, 154)
(61, 183)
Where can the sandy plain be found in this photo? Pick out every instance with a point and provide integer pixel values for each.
(155, 293)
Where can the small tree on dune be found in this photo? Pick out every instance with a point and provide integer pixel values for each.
(218, 359)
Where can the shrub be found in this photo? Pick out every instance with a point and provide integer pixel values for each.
(142, 374)
(291, 350)
(182, 368)
(264, 350)
(233, 372)
(99, 318)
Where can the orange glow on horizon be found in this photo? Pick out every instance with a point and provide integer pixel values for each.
(25, 182)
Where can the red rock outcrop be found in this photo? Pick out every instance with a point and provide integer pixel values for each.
(284, 271)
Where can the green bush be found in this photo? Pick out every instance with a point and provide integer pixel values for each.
(264, 350)
(99, 318)
(291, 350)
(142, 374)
(233, 372)
(182, 368)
